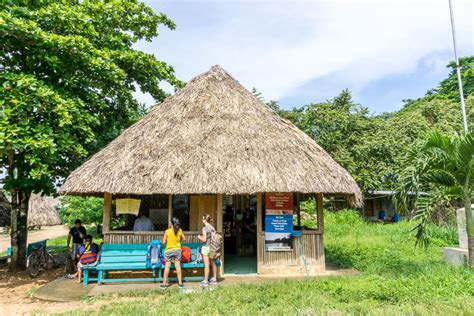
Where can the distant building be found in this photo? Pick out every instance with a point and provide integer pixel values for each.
(374, 202)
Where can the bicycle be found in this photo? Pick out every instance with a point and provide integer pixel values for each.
(39, 259)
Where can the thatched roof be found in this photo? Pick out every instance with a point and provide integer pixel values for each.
(41, 211)
(5, 210)
(213, 136)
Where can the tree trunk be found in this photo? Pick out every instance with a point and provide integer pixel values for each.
(469, 230)
(19, 229)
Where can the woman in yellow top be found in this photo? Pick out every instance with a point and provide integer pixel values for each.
(172, 238)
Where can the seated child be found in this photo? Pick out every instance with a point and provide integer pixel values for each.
(87, 255)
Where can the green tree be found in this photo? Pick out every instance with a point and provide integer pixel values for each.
(443, 168)
(347, 132)
(69, 71)
(449, 86)
(89, 210)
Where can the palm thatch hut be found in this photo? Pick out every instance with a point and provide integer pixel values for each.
(42, 211)
(5, 210)
(212, 147)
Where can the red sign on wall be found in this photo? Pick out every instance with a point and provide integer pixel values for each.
(279, 203)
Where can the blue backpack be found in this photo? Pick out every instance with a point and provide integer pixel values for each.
(154, 255)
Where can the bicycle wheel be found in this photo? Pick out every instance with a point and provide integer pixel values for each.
(33, 265)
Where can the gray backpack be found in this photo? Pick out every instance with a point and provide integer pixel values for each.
(215, 245)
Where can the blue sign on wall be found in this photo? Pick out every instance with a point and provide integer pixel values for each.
(278, 232)
(279, 223)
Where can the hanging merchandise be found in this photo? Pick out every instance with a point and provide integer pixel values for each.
(127, 206)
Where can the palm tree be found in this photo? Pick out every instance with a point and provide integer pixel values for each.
(443, 167)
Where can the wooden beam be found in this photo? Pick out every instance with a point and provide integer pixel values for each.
(259, 230)
(320, 215)
(107, 212)
(259, 212)
(219, 223)
(170, 207)
(220, 214)
(298, 211)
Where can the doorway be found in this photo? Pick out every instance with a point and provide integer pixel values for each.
(240, 237)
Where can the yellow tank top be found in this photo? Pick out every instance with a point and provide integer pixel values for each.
(173, 241)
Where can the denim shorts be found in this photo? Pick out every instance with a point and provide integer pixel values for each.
(173, 255)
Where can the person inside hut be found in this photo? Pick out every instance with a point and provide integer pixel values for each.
(172, 238)
(77, 235)
(87, 255)
(143, 224)
(248, 228)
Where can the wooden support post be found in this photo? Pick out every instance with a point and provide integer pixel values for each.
(170, 207)
(259, 213)
(219, 222)
(107, 212)
(320, 215)
(298, 211)
(259, 229)
(319, 203)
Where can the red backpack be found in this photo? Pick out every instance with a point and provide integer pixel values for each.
(185, 254)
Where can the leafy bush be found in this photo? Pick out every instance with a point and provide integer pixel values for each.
(308, 206)
(88, 210)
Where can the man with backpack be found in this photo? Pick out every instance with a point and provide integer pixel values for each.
(211, 250)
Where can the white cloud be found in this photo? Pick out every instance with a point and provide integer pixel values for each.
(278, 46)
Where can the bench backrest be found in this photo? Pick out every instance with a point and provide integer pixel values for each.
(133, 253)
(123, 253)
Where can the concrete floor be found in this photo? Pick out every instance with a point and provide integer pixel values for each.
(64, 290)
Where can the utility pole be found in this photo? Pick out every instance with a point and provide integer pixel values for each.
(458, 69)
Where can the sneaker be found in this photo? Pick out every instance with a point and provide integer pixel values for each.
(204, 283)
(163, 287)
(180, 286)
(213, 282)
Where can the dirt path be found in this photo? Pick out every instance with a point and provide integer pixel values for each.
(16, 290)
(47, 232)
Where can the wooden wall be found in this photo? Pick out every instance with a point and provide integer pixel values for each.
(308, 248)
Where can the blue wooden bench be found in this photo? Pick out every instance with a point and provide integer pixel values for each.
(129, 257)
(30, 247)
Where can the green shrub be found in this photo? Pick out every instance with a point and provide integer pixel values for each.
(88, 210)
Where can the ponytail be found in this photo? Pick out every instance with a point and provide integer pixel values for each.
(176, 225)
(207, 218)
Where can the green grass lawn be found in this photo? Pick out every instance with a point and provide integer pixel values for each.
(395, 278)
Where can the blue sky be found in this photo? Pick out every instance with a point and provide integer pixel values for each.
(299, 52)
